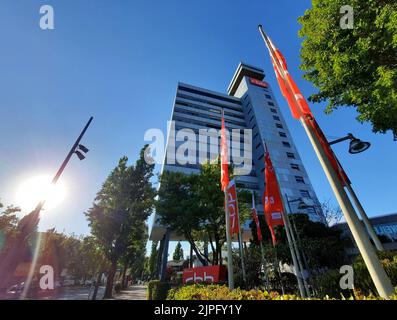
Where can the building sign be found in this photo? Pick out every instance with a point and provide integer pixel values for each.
(210, 274)
(259, 83)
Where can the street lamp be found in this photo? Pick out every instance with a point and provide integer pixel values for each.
(357, 146)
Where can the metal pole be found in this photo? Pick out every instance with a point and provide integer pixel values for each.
(366, 221)
(264, 266)
(297, 249)
(65, 162)
(229, 245)
(378, 274)
(240, 242)
(294, 259)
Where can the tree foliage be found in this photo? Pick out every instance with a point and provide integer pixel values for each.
(193, 206)
(121, 207)
(354, 67)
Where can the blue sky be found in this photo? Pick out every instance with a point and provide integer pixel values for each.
(120, 62)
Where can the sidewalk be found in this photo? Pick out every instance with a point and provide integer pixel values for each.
(137, 292)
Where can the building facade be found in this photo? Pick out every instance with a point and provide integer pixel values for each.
(248, 104)
(385, 227)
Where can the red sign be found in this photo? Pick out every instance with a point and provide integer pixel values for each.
(210, 274)
(259, 83)
(233, 207)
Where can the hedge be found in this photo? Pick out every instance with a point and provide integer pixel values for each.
(216, 292)
(157, 290)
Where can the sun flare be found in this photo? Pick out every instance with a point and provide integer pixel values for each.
(35, 189)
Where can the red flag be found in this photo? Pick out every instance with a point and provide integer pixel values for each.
(297, 103)
(224, 157)
(255, 218)
(233, 208)
(299, 107)
(271, 199)
(328, 151)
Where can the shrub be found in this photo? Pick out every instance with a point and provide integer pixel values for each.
(157, 290)
(217, 292)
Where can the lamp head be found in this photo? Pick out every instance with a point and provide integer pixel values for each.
(357, 146)
(80, 155)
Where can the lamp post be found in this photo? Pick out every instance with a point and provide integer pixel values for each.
(358, 146)
(28, 224)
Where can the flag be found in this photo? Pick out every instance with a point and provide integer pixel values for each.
(271, 199)
(255, 218)
(342, 176)
(233, 208)
(224, 157)
(299, 107)
(297, 103)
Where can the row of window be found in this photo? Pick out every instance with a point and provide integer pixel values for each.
(209, 95)
(211, 109)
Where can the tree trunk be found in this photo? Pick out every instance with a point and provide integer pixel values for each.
(97, 283)
(123, 279)
(110, 280)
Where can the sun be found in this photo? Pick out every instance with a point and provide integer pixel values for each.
(37, 188)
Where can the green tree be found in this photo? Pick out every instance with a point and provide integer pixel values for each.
(152, 261)
(178, 253)
(120, 210)
(8, 226)
(193, 206)
(354, 67)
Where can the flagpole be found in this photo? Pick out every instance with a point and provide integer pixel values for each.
(378, 274)
(229, 245)
(240, 241)
(297, 249)
(368, 225)
(290, 242)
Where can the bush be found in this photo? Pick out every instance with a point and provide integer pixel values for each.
(157, 290)
(328, 283)
(217, 292)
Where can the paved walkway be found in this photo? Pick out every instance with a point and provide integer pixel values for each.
(132, 293)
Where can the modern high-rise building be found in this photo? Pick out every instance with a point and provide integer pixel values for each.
(248, 104)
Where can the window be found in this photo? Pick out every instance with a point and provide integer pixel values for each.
(273, 110)
(282, 134)
(252, 117)
(255, 136)
(290, 155)
(286, 144)
(261, 157)
(268, 96)
(279, 125)
(270, 103)
(295, 166)
(304, 193)
(276, 118)
(311, 210)
(299, 179)
(258, 145)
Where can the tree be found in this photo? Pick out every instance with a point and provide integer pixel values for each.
(193, 206)
(8, 226)
(178, 253)
(120, 210)
(152, 261)
(354, 67)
